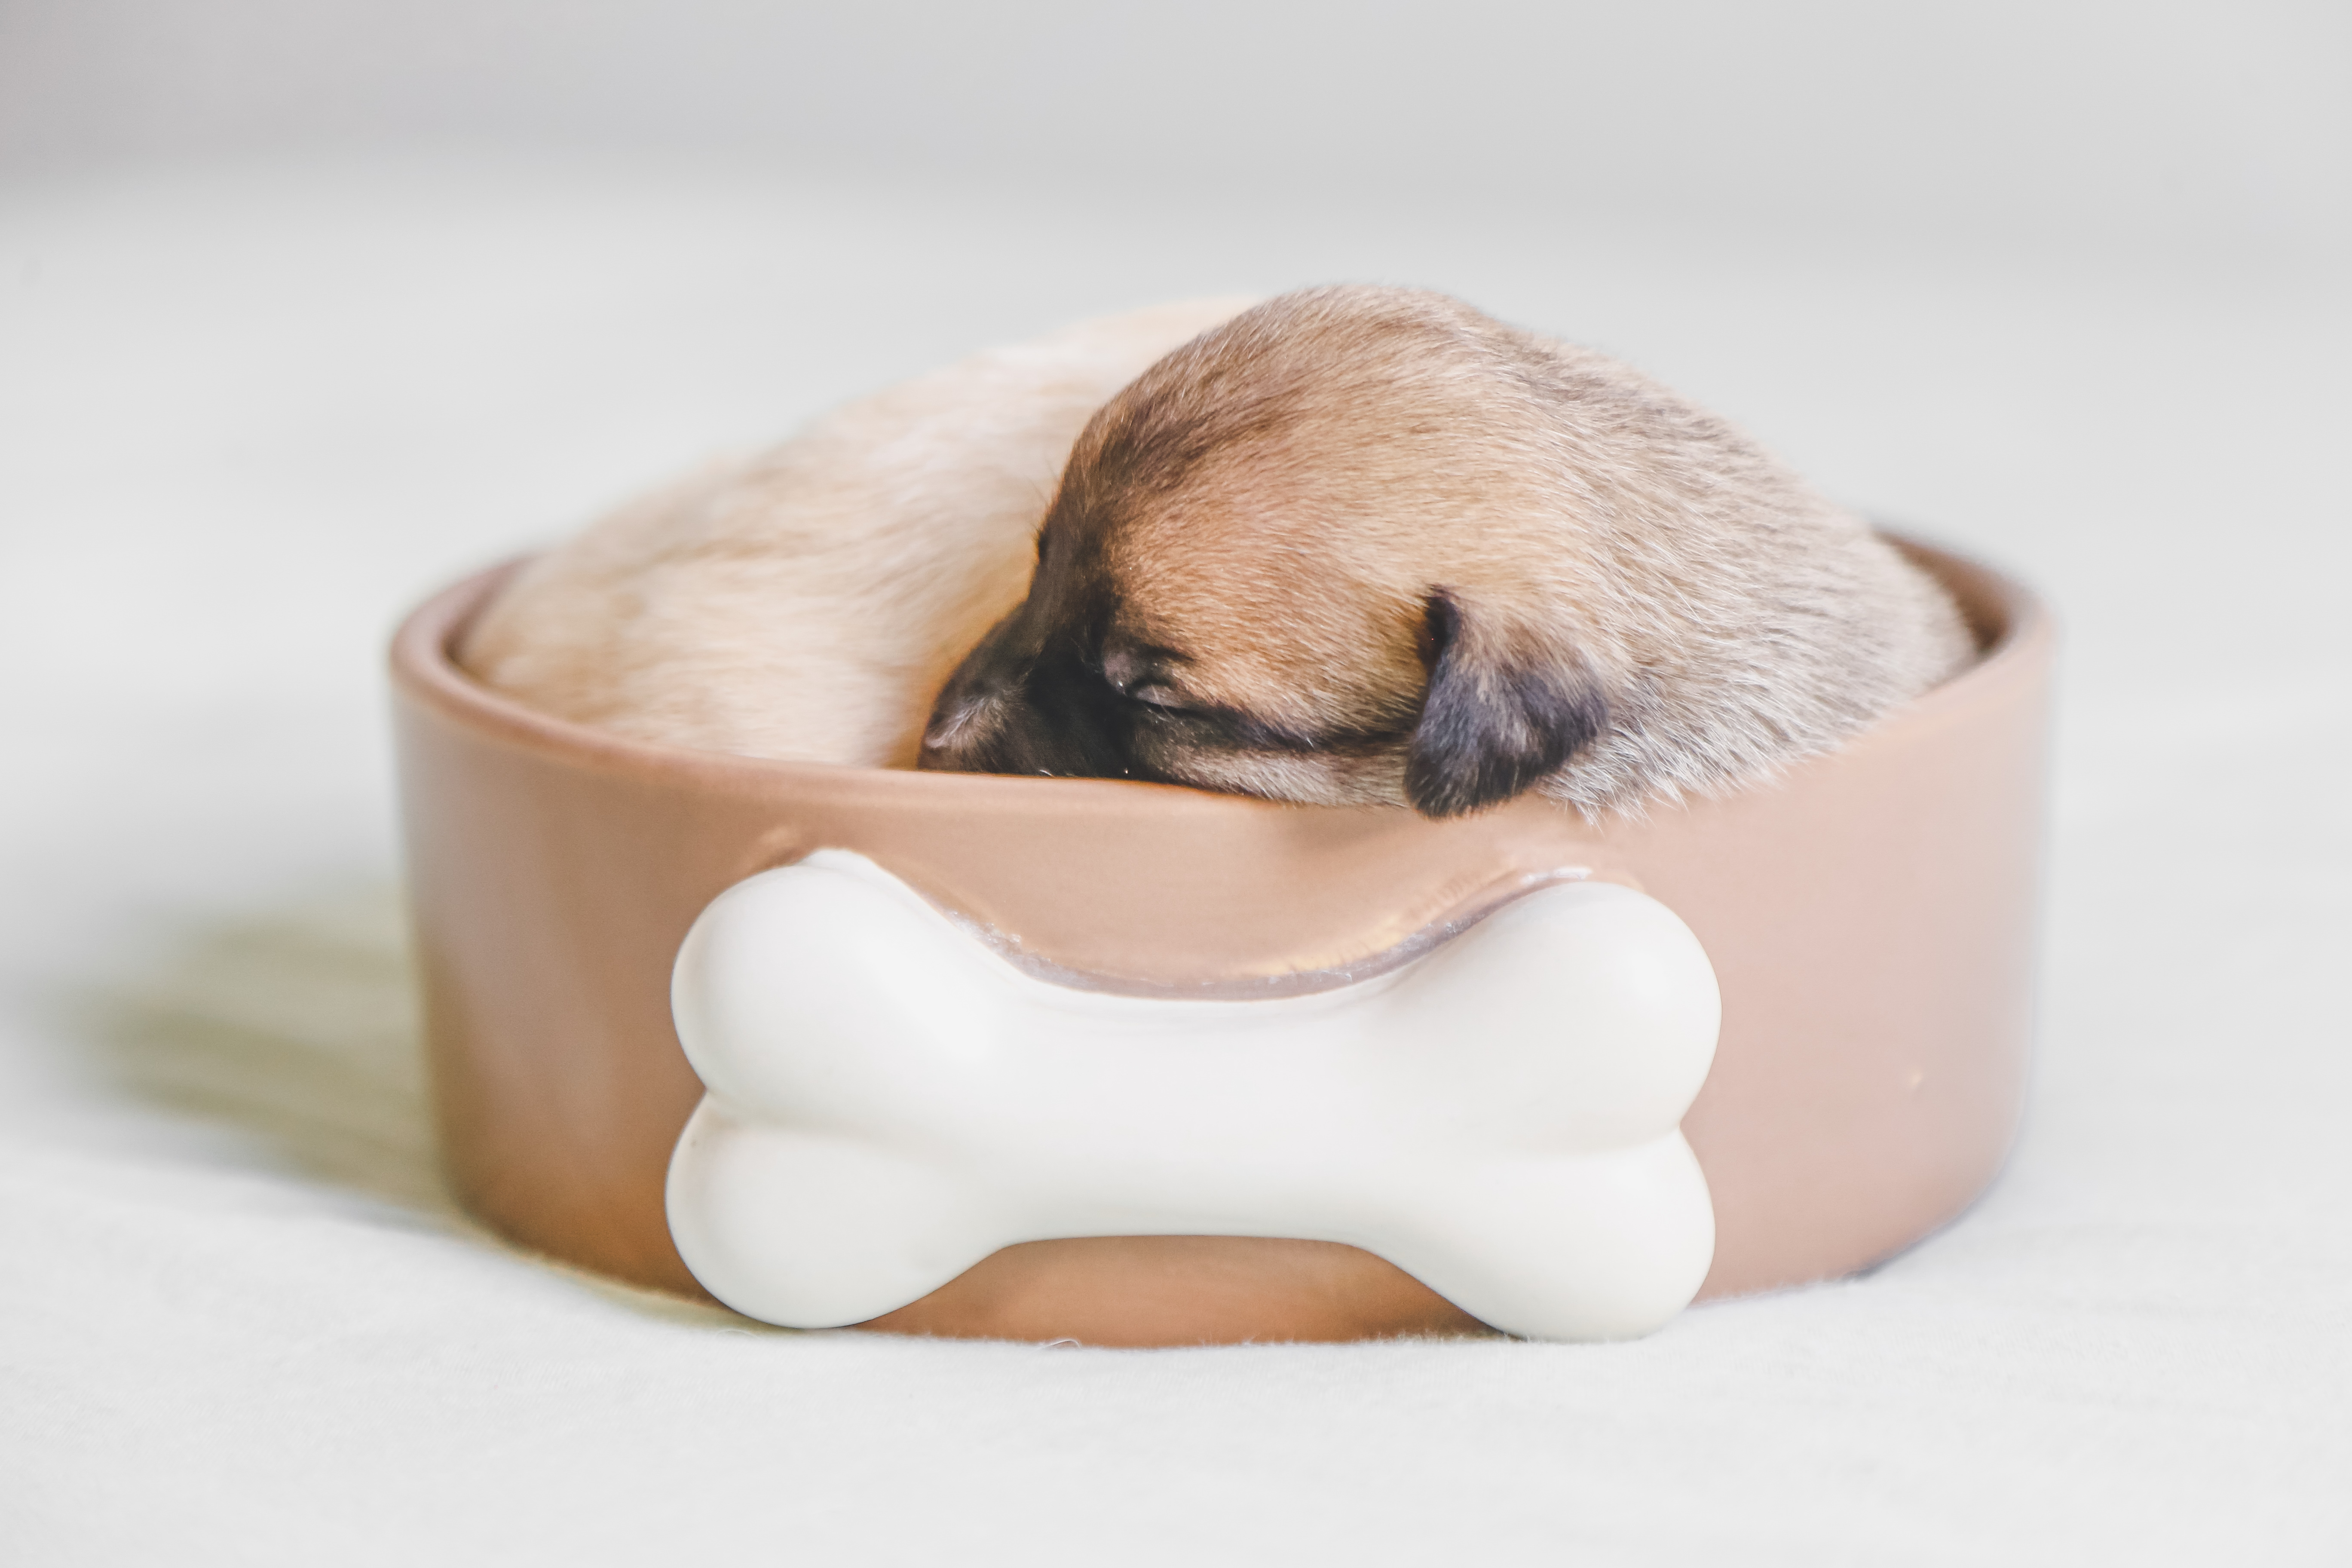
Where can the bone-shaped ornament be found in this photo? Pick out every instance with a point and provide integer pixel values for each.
(889, 1101)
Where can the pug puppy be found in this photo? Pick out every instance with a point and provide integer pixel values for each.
(1365, 544)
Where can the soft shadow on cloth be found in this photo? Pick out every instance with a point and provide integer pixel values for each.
(297, 1028)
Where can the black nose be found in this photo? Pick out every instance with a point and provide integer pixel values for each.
(958, 722)
(1056, 718)
(966, 733)
(971, 706)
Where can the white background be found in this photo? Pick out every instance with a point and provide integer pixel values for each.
(305, 308)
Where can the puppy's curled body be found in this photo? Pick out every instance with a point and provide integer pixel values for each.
(1365, 544)
(805, 603)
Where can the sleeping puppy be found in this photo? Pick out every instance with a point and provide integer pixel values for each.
(1366, 544)
(806, 602)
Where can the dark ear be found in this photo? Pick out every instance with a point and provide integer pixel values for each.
(1497, 717)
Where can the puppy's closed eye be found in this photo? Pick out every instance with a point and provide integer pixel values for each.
(1145, 675)
(1157, 694)
(1501, 713)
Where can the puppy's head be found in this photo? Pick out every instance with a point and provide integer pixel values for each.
(1314, 555)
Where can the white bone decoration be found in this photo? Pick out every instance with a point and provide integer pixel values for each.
(889, 1101)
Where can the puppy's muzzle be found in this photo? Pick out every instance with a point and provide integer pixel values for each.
(889, 1102)
(1047, 715)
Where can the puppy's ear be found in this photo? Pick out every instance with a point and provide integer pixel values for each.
(1500, 713)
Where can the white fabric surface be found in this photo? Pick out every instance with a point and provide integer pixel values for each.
(246, 416)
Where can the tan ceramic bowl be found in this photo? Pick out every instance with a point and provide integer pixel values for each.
(1871, 920)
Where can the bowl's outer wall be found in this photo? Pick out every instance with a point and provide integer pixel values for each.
(1871, 917)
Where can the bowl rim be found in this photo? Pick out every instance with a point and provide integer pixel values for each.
(2014, 625)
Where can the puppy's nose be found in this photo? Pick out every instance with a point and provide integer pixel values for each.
(960, 728)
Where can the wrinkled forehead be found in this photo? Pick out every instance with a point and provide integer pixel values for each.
(1318, 521)
(1290, 522)
(1246, 615)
